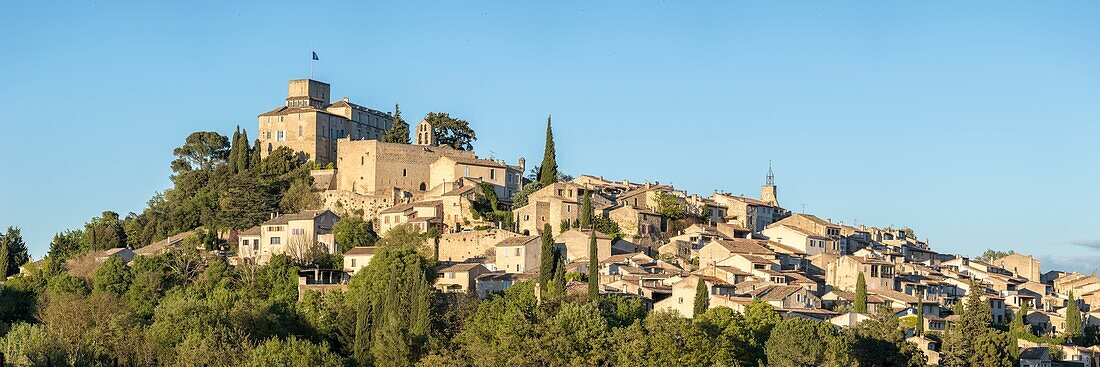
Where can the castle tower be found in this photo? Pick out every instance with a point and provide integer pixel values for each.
(425, 135)
(769, 192)
(307, 93)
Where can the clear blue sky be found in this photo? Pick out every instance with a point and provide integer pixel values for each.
(976, 125)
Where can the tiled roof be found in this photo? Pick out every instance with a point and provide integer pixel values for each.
(745, 246)
(516, 241)
(361, 250)
(303, 215)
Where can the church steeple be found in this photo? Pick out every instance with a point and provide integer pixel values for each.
(769, 192)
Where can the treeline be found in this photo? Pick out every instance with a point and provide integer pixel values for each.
(218, 185)
(187, 308)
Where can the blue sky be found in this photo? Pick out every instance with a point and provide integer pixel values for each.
(975, 124)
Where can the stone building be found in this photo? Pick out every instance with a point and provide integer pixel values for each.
(552, 204)
(310, 125)
(296, 235)
(1021, 266)
(843, 273)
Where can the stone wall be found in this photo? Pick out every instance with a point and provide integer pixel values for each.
(370, 166)
(466, 245)
(346, 203)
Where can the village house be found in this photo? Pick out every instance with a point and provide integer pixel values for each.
(682, 299)
(298, 235)
(358, 257)
(718, 250)
(551, 205)
(459, 277)
(843, 273)
(802, 240)
(518, 254)
(423, 215)
(573, 244)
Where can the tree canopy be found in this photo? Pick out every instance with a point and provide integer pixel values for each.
(451, 131)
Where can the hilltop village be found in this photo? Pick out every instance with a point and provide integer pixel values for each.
(369, 180)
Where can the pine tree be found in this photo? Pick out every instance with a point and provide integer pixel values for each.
(702, 298)
(861, 295)
(15, 250)
(399, 132)
(1073, 318)
(963, 345)
(548, 172)
(586, 212)
(546, 263)
(593, 267)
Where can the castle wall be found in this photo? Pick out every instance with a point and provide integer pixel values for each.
(368, 166)
(466, 245)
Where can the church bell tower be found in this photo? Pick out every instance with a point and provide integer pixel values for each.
(768, 192)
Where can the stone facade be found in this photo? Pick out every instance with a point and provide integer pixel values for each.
(468, 245)
(307, 123)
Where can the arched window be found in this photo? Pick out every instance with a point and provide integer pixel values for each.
(423, 186)
(405, 173)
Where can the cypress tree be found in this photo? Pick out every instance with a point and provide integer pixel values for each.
(586, 212)
(243, 157)
(234, 150)
(860, 305)
(1073, 318)
(548, 171)
(593, 267)
(254, 160)
(399, 132)
(702, 298)
(546, 263)
(4, 263)
(1019, 321)
(920, 315)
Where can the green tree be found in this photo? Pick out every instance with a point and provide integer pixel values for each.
(293, 352)
(67, 244)
(546, 258)
(548, 172)
(353, 231)
(399, 132)
(113, 276)
(860, 305)
(32, 345)
(702, 297)
(299, 197)
(972, 342)
(880, 342)
(16, 250)
(4, 262)
(587, 212)
(243, 158)
(104, 232)
(1073, 319)
(1018, 325)
(593, 267)
(669, 206)
(235, 151)
(990, 254)
(450, 131)
(920, 316)
(394, 300)
(201, 150)
(798, 342)
(254, 158)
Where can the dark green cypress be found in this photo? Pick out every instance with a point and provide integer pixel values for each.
(586, 212)
(861, 295)
(254, 160)
(546, 263)
(593, 267)
(243, 157)
(548, 171)
(702, 298)
(234, 150)
(399, 132)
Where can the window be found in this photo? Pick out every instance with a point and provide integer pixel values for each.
(297, 231)
(517, 252)
(353, 263)
(450, 275)
(280, 135)
(404, 172)
(492, 174)
(466, 171)
(276, 241)
(256, 245)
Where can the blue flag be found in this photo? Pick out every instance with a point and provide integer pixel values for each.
(315, 56)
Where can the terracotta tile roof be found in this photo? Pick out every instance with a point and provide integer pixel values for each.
(774, 292)
(477, 162)
(361, 250)
(303, 215)
(516, 241)
(745, 246)
(460, 267)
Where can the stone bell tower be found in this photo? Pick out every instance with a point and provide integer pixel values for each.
(768, 192)
(425, 135)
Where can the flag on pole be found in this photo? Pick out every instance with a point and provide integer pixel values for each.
(315, 56)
